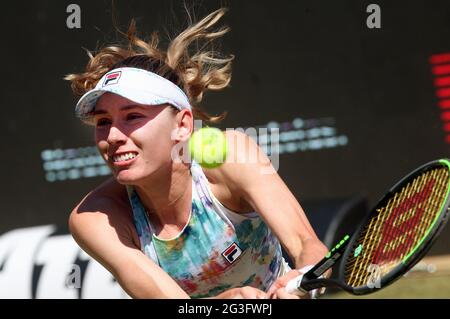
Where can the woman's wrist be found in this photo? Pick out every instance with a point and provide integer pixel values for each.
(313, 251)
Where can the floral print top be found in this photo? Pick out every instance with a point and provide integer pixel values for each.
(217, 249)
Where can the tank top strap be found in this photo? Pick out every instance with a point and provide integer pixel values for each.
(202, 189)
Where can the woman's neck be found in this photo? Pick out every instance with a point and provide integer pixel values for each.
(168, 197)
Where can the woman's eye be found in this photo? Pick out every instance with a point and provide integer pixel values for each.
(102, 122)
(133, 116)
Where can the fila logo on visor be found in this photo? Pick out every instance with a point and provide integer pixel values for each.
(232, 253)
(112, 78)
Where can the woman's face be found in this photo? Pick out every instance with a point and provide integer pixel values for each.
(135, 140)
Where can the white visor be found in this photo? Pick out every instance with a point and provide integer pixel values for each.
(137, 85)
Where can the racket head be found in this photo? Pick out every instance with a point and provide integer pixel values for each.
(399, 231)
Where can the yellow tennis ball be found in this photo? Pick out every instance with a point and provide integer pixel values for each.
(208, 147)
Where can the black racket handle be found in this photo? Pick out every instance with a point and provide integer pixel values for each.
(328, 261)
(309, 281)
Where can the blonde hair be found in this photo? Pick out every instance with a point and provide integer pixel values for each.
(194, 73)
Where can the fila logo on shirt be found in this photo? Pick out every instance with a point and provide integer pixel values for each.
(112, 78)
(232, 253)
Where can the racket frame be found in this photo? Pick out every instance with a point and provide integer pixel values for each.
(311, 279)
(421, 248)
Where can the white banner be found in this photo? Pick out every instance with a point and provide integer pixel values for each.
(34, 264)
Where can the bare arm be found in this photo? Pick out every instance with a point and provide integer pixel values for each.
(102, 231)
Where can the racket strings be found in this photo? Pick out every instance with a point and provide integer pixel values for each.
(397, 228)
(391, 245)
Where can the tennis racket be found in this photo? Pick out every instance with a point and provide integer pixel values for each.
(395, 235)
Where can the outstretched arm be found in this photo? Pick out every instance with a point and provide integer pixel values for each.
(102, 231)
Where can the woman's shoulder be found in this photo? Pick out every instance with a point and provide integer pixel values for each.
(105, 207)
(246, 162)
(222, 178)
(244, 159)
(110, 196)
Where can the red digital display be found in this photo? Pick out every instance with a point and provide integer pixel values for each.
(440, 67)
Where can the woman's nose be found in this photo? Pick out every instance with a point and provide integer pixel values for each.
(116, 136)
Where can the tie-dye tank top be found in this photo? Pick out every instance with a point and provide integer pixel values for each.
(217, 249)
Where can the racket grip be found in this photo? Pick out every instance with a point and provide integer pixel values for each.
(293, 286)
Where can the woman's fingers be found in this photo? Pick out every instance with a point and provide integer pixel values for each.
(250, 293)
(283, 294)
(282, 281)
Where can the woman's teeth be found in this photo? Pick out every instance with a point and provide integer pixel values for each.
(124, 157)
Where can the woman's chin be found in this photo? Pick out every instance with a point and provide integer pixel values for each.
(125, 178)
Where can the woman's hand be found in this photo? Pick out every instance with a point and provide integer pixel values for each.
(312, 252)
(278, 291)
(246, 292)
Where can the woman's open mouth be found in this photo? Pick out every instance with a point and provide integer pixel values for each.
(124, 158)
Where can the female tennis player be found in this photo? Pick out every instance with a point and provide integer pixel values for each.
(171, 229)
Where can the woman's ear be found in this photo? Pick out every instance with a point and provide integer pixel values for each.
(185, 125)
